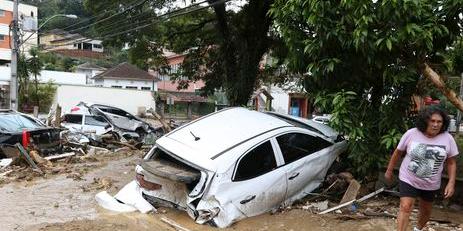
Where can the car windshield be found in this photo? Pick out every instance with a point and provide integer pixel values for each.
(16, 123)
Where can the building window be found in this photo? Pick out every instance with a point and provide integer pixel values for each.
(146, 88)
(115, 86)
(2, 13)
(131, 87)
(2, 37)
(174, 68)
(98, 46)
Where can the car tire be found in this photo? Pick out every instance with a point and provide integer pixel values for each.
(141, 134)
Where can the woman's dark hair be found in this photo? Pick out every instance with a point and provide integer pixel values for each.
(425, 115)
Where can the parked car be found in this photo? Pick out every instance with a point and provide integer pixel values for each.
(12, 125)
(233, 164)
(324, 119)
(130, 125)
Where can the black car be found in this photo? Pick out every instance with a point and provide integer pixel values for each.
(12, 124)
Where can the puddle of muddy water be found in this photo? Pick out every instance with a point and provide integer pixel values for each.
(58, 199)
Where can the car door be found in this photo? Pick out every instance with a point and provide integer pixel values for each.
(304, 159)
(257, 184)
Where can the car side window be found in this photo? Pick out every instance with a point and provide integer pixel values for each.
(257, 162)
(295, 146)
(95, 121)
(73, 119)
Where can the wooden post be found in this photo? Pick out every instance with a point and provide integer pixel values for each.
(36, 112)
(57, 122)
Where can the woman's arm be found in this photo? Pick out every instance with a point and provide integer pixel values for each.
(392, 163)
(452, 172)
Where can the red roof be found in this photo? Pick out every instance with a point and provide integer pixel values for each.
(172, 87)
(80, 53)
(125, 71)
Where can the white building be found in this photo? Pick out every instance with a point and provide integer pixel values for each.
(58, 39)
(27, 23)
(126, 76)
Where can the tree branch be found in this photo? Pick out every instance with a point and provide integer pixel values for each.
(196, 27)
(435, 78)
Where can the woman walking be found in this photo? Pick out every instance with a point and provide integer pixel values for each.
(426, 149)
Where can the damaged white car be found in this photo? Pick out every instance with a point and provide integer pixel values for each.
(234, 164)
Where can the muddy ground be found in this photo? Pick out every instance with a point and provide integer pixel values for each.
(64, 200)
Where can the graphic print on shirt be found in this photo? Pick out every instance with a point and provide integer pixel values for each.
(426, 159)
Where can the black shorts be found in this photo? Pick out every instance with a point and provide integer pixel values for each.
(407, 190)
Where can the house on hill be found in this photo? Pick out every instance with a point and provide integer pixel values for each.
(126, 76)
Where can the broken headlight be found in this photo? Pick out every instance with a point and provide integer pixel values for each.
(204, 216)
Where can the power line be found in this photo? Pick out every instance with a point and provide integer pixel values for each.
(89, 19)
(160, 17)
(112, 16)
(168, 14)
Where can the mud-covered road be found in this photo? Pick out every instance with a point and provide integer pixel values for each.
(66, 202)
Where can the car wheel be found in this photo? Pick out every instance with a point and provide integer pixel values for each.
(141, 134)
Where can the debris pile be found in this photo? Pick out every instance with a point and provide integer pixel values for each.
(32, 148)
(341, 196)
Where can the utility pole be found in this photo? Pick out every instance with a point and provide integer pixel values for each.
(14, 58)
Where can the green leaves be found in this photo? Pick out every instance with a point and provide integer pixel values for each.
(363, 59)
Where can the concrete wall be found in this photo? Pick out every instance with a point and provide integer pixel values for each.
(57, 77)
(124, 83)
(280, 102)
(67, 96)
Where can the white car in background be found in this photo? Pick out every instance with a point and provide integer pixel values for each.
(232, 164)
(324, 119)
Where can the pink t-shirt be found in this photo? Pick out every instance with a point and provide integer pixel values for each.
(423, 164)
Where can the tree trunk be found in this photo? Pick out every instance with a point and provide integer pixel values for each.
(37, 100)
(242, 52)
(435, 78)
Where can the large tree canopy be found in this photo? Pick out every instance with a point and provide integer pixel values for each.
(223, 46)
(365, 58)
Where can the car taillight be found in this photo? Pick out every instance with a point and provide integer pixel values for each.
(25, 138)
(145, 184)
(75, 109)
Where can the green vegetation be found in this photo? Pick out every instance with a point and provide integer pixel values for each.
(363, 61)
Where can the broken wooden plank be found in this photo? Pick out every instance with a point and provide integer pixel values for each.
(337, 207)
(60, 156)
(174, 224)
(351, 192)
(28, 158)
(364, 198)
(5, 162)
(165, 126)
